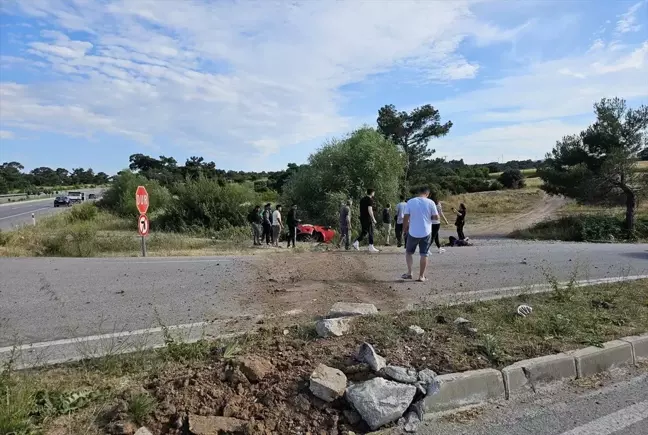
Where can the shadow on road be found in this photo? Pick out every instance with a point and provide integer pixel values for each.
(638, 255)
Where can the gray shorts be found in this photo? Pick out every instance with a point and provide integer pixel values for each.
(423, 244)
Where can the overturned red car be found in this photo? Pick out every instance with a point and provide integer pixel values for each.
(314, 233)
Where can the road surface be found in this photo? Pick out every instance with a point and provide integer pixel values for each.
(619, 408)
(16, 214)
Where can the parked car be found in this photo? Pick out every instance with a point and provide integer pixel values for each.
(62, 201)
(314, 233)
(76, 197)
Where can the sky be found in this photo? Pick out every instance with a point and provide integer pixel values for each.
(254, 85)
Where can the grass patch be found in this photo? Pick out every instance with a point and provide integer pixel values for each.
(496, 202)
(198, 377)
(584, 228)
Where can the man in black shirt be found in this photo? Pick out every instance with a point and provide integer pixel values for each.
(267, 225)
(367, 221)
(292, 221)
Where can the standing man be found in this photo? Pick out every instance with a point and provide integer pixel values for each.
(387, 219)
(277, 225)
(292, 221)
(436, 225)
(256, 221)
(267, 225)
(461, 220)
(419, 214)
(400, 214)
(345, 224)
(367, 221)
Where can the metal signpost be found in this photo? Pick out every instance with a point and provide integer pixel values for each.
(142, 203)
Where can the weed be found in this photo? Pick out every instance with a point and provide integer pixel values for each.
(140, 407)
(181, 351)
(55, 403)
(231, 350)
(491, 348)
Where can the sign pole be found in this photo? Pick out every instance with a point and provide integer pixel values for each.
(143, 246)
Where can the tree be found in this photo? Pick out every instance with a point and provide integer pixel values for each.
(412, 132)
(512, 179)
(599, 165)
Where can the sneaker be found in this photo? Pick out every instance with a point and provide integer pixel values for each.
(441, 250)
(373, 249)
(356, 245)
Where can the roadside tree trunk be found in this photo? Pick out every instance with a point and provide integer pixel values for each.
(631, 206)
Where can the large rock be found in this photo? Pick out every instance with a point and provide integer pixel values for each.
(416, 330)
(255, 368)
(327, 383)
(401, 374)
(346, 309)
(367, 354)
(199, 425)
(380, 401)
(333, 327)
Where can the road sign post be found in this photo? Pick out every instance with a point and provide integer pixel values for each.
(142, 203)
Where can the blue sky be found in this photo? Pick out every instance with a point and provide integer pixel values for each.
(253, 85)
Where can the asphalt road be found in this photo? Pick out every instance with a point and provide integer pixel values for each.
(620, 408)
(16, 214)
(45, 299)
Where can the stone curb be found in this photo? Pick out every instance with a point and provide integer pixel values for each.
(477, 386)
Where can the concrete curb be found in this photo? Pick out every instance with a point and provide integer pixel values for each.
(477, 386)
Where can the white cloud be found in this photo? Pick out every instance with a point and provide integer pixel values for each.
(628, 21)
(6, 134)
(245, 76)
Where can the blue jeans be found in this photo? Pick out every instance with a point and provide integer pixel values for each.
(423, 243)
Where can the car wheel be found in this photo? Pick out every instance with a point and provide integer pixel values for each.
(319, 237)
(305, 238)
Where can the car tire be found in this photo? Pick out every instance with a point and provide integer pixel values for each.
(319, 237)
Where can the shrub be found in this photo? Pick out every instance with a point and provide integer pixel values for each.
(496, 185)
(260, 186)
(204, 204)
(583, 228)
(82, 212)
(120, 197)
(512, 179)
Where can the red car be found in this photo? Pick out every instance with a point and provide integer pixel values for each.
(314, 233)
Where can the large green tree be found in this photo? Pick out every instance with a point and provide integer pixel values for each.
(412, 132)
(599, 165)
(344, 169)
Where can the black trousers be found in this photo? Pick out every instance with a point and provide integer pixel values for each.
(399, 234)
(460, 230)
(267, 233)
(367, 229)
(435, 235)
(292, 235)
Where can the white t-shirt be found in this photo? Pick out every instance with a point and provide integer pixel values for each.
(400, 212)
(439, 211)
(420, 211)
(276, 216)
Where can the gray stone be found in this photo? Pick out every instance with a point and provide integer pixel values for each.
(411, 422)
(416, 330)
(143, 431)
(419, 408)
(346, 309)
(352, 417)
(380, 401)
(401, 374)
(461, 321)
(367, 354)
(327, 383)
(426, 376)
(333, 327)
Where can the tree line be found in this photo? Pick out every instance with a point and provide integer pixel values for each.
(13, 178)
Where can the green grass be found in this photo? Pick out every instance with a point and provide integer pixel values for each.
(589, 227)
(141, 406)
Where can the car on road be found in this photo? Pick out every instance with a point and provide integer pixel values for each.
(314, 233)
(92, 196)
(76, 197)
(62, 201)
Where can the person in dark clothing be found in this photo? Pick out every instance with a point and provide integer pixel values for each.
(387, 223)
(267, 225)
(367, 221)
(400, 215)
(291, 222)
(345, 224)
(461, 221)
(256, 221)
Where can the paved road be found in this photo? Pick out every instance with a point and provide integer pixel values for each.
(16, 214)
(620, 408)
(54, 298)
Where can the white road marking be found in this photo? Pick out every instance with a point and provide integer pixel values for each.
(614, 422)
(27, 212)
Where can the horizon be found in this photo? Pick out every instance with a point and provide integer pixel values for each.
(254, 86)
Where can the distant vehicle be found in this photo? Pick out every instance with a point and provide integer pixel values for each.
(92, 196)
(76, 197)
(62, 201)
(314, 233)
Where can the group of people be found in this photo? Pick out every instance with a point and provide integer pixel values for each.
(368, 221)
(268, 225)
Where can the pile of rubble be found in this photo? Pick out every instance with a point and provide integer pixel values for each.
(394, 394)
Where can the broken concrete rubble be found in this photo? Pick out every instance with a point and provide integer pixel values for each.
(327, 383)
(367, 354)
(333, 327)
(379, 401)
(401, 374)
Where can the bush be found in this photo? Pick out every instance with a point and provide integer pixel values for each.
(204, 204)
(496, 185)
(260, 186)
(583, 228)
(82, 212)
(512, 179)
(120, 197)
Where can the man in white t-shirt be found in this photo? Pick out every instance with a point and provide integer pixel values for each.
(400, 215)
(417, 224)
(277, 225)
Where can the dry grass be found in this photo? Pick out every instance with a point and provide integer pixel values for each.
(496, 202)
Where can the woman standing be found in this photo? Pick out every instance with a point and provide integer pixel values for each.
(461, 221)
(436, 225)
